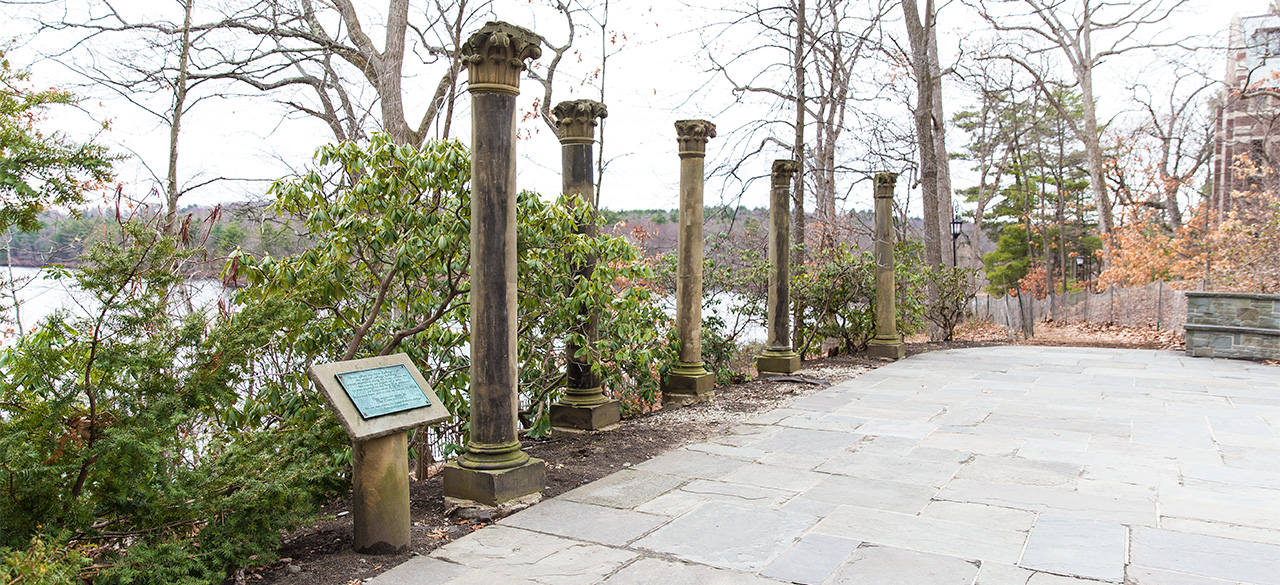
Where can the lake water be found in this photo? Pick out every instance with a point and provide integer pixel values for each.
(39, 295)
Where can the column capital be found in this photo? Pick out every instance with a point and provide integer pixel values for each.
(692, 135)
(494, 57)
(576, 120)
(784, 169)
(885, 182)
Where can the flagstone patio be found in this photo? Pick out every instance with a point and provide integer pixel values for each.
(987, 466)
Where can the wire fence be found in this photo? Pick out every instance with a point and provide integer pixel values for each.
(1154, 305)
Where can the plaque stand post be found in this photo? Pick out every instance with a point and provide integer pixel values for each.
(688, 381)
(494, 472)
(380, 494)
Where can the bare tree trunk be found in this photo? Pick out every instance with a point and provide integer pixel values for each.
(1093, 148)
(604, 70)
(943, 161)
(175, 127)
(918, 35)
(797, 215)
(1062, 233)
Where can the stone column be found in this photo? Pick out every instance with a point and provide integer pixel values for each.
(886, 343)
(493, 471)
(584, 406)
(688, 381)
(778, 356)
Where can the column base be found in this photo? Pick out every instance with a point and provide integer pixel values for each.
(781, 362)
(886, 348)
(687, 384)
(585, 418)
(493, 487)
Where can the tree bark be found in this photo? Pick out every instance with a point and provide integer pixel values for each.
(942, 160)
(798, 218)
(1093, 149)
(175, 126)
(918, 35)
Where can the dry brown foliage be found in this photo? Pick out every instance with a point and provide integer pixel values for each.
(1240, 251)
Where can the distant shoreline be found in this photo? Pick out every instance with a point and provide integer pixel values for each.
(19, 263)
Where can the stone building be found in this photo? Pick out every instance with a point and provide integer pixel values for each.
(1247, 126)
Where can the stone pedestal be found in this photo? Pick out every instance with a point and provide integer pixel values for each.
(584, 406)
(688, 381)
(494, 487)
(886, 343)
(493, 470)
(380, 494)
(778, 356)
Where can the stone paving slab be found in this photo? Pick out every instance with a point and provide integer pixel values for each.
(664, 572)
(884, 565)
(811, 560)
(985, 466)
(522, 554)
(1079, 548)
(625, 489)
(692, 464)
(991, 573)
(914, 471)
(596, 524)
(1207, 556)
(729, 535)
(909, 531)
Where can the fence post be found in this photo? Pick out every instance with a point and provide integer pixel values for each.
(1111, 318)
(1159, 302)
(1008, 323)
(1027, 325)
(1086, 304)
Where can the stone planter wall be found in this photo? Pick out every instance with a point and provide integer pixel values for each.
(1233, 325)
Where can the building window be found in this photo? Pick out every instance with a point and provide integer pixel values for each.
(1267, 42)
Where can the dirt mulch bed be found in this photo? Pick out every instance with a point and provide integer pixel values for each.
(320, 553)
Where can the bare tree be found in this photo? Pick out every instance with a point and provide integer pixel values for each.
(836, 53)
(919, 34)
(546, 76)
(325, 47)
(1179, 136)
(992, 128)
(152, 65)
(808, 57)
(1083, 33)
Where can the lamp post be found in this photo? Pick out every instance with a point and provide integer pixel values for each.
(956, 224)
(1079, 267)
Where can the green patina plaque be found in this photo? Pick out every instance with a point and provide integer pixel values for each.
(382, 391)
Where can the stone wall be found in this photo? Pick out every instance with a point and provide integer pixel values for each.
(1233, 325)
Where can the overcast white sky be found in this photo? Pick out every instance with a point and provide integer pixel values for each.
(652, 82)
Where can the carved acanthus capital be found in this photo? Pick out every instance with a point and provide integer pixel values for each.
(494, 57)
(576, 120)
(692, 135)
(783, 170)
(885, 182)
